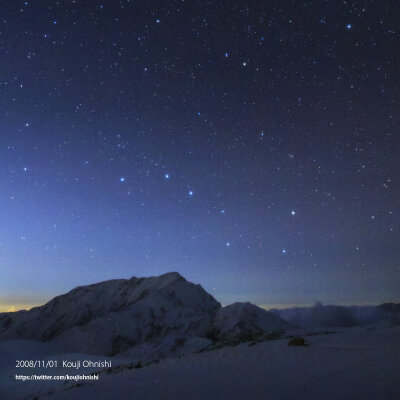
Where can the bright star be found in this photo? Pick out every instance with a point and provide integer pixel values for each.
(293, 212)
(228, 244)
(166, 176)
(349, 26)
(122, 179)
(283, 251)
(157, 21)
(226, 55)
(190, 193)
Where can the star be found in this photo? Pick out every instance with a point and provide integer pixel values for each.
(247, 133)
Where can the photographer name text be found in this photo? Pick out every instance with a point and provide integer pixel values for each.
(75, 364)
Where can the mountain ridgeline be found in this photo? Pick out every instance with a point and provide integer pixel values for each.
(131, 316)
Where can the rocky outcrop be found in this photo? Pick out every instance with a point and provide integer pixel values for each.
(299, 341)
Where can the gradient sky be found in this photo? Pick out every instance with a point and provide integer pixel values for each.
(251, 146)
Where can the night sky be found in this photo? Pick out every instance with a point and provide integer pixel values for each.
(252, 146)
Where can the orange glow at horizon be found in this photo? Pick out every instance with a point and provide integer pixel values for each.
(16, 307)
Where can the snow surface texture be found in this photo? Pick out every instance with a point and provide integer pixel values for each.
(358, 363)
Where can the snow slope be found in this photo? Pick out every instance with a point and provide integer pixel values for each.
(356, 364)
(13, 350)
(245, 321)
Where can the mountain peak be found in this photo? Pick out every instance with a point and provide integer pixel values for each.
(129, 311)
(172, 276)
(129, 315)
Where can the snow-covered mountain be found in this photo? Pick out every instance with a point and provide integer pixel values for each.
(136, 317)
(111, 316)
(245, 321)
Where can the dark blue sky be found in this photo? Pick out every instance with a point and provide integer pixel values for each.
(251, 146)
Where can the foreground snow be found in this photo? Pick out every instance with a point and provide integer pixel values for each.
(356, 363)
